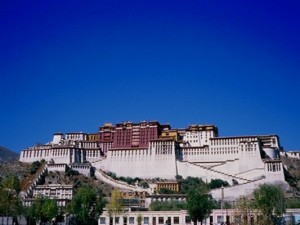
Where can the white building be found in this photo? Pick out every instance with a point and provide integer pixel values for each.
(196, 151)
(71, 148)
(218, 216)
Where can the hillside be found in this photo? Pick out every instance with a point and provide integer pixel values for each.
(21, 170)
(7, 154)
(292, 174)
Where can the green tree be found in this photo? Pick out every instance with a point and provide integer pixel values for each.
(269, 202)
(199, 204)
(190, 183)
(139, 219)
(166, 191)
(87, 205)
(143, 184)
(35, 166)
(243, 209)
(115, 206)
(10, 202)
(217, 183)
(43, 209)
(174, 205)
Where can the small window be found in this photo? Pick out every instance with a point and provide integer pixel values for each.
(176, 220)
(146, 220)
(160, 220)
(220, 219)
(117, 220)
(102, 220)
(131, 220)
(187, 219)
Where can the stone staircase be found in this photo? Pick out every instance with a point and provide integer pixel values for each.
(31, 182)
(221, 173)
(116, 183)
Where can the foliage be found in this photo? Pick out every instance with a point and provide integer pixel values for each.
(199, 204)
(43, 209)
(71, 172)
(226, 205)
(293, 203)
(129, 180)
(167, 206)
(115, 207)
(87, 205)
(217, 183)
(35, 166)
(10, 202)
(139, 219)
(243, 208)
(112, 175)
(269, 201)
(12, 182)
(143, 184)
(166, 191)
(188, 184)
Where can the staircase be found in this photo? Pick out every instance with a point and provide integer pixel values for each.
(221, 173)
(32, 181)
(115, 183)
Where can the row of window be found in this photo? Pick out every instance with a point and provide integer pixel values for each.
(145, 220)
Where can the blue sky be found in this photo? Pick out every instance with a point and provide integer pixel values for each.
(68, 66)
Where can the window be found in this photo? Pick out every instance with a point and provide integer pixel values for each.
(124, 220)
(102, 220)
(131, 220)
(117, 220)
(220, 219)
(146, 220)
(176, 220)
(160, 220)
(187, 219)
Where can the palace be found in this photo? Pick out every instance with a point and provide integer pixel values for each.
(151, 149)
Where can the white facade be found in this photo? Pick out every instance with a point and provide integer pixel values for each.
(234, 159)
(144, 163)
(198, 152)
(54, 191)
(71, 148)
(217, 216)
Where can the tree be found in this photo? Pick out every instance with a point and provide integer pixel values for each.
(139, 219)
(269, 201)
(243, 208)
(190, 183)
(115, 207)
(10, 202)
(173, 205)
(166, 191)
(143, 184)
(87, 205)
(217, 183)
(43, 209)
(199, 204)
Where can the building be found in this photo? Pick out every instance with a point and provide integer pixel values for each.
(151, 150)
(218, 216)
(169, 185)
(68, 148)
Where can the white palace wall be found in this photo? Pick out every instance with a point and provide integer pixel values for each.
(224, 158)
(159, 160)
(67, 151)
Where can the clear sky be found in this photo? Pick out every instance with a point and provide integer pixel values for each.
(68, 66)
